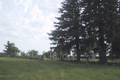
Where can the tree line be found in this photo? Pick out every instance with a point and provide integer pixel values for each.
(11, 50)
(86, 25)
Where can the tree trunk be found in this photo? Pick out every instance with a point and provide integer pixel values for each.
(112, 52)
(102, 55)
(103, 58)
(77, 49)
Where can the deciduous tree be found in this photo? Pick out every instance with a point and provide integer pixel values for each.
(11, 49)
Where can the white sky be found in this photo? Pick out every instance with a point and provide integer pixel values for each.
(27, 22)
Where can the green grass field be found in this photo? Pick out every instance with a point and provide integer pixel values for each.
(31, 69)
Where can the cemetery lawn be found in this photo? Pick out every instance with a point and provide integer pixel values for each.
(31, 69)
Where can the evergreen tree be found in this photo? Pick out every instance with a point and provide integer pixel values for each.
(67, 33)
(116, 42)
(100, 18)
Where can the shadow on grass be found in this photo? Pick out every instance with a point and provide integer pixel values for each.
(115, 62)
(109, 63)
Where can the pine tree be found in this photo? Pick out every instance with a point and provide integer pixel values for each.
(116, 42)
(100, 19)
(58, 39)
(67, 33)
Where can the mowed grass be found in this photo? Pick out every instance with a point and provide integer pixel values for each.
(31, 69)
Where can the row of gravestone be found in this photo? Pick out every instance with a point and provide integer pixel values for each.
(93, 56)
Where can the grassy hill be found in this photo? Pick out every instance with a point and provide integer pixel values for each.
(31, 69)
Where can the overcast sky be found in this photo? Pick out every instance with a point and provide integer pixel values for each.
(27, 22)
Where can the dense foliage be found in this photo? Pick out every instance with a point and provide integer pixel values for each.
(32, 53)
(11, 49)
(86, 25)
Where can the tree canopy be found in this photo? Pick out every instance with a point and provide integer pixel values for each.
(11, 49)
(86, 25)
(32, 53)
